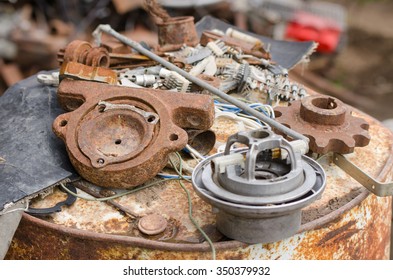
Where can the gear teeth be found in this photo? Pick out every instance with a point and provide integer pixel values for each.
(341, 138)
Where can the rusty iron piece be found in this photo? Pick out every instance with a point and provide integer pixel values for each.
(246, 47)
(177, 31)
(75, 70)
(133, 64)
(201, 140)
(129, 60)
(97, 57)
(152, 224)
(84, 53)
(327, 122)
(120, 147)
(75, 51)
(114, 46)
(212, 80)
(358, 227)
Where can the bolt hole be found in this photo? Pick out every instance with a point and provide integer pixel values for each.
(118, 142)
(63, 123)
(173, 137)
(260, 134)
(151, 119)
(101, 108)
(103, 62)
(325, 103)
(100, 161)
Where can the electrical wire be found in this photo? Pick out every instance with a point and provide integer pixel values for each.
(179, 172)
(120, 194)
(232, 112)
(247, 122)
(179, 178)
(15, 210)
(196, 155)
(172, 176)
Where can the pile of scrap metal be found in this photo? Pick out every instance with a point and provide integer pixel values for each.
(129, 106)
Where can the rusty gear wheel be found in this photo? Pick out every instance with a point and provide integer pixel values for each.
(327, 122)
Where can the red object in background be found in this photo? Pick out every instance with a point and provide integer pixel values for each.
(308, 27)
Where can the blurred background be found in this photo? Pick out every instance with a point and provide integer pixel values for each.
(354, 60)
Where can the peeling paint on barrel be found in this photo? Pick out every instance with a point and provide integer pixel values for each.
(359, 234)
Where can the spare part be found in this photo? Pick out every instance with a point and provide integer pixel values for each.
(327, 122)
(258, 192)
(121, 137)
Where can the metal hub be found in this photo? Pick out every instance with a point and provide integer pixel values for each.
(327, 122)
(259, 191)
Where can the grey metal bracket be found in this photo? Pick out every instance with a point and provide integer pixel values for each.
(374, 186)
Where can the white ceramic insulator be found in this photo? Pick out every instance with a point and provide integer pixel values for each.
(215, 49)
(164, 73)
(144, 80)
(242, 36)
(220, 163)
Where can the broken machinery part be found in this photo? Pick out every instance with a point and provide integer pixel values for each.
(121, 137)
(327, 122)
(258, 192)
(83, 52)
(57, 208)
(176, 32)
(78, 71)
(173, 32)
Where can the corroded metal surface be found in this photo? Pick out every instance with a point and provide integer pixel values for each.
(78, 71)
(346, 223)
(83, 52)
(120, 147)
(327, 122)
(152, 224)
(75, 51)
(176, 32)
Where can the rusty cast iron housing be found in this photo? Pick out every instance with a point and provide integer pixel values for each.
(121, 137)
(327, 122)
(259, 192)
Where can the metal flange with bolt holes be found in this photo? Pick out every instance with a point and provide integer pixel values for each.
(259, 191)
(121, 137)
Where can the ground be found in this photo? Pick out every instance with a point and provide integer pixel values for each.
(365, 64)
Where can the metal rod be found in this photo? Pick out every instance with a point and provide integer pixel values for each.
(136, 46)
(374, 186)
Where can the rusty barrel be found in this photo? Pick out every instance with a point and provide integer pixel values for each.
(346, 223)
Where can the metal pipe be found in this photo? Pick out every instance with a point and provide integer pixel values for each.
(136, 46)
